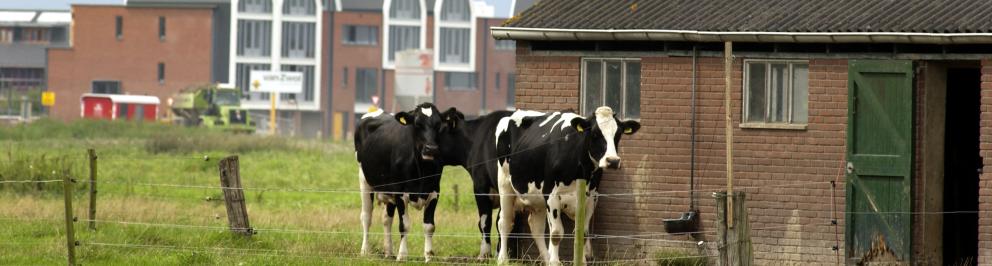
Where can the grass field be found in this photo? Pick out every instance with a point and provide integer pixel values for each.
(139, 222)
(298, 227)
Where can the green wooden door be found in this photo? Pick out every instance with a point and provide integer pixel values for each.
(879, 156)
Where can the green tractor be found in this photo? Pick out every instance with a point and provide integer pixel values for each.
(212, 106)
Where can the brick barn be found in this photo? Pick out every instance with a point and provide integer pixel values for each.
(892, 99)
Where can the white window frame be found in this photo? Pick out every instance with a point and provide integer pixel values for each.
(623, 81)
(470, 25)
(275, 60)
(387, 22)
(746, 97)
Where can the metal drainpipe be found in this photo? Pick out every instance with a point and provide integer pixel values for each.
(485, 69)
(692, 137)
(329, 114)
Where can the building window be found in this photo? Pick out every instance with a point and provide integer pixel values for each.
(459, 80)
(308, 88)
(119, 29)
(361, 34)
(161, 73)
(497, 80)
(107, 86)
(612, 82)
(455, 29)
(161, 28)
(776, 91)
(344, 78)
(21, 78)
(254, 38)
(242, 76)
(34, 35)
(298, 39)
(6, 35)
(511, 87)
(299, 7)
(255, 6)
(404, 27)
(366, 84)
(505, 45)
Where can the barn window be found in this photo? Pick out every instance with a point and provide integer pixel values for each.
(612, 82)
(776, 93)
(459, 81)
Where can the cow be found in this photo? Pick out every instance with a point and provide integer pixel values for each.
(539, 157)
(471, 144)
(397, 166)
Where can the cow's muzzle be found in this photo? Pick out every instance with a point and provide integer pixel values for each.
(613, 163)
(429, 152)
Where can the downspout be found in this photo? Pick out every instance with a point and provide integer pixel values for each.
(329, 115)
(692, 137)
(485, 70)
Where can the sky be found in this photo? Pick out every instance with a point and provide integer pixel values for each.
(50, 4)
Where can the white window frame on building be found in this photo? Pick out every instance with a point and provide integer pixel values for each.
(389, 22)
(442, 45)
(290, 46)
(795, 110)
(625, 91)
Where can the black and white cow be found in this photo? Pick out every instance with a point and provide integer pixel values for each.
(396, 157)
(539, 158)
(472, 145)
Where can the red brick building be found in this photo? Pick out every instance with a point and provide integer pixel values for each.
(480, 82)
(130, 50)
(890, 100)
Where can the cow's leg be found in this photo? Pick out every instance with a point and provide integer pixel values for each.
(367, 204)
(506, 212)
(484, 204)
(555, 209)
(404, 227)
(387, 229)
(429, 228)
(538, 221)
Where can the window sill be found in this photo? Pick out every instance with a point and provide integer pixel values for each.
(782, 126)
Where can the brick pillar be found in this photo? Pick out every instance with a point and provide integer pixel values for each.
(985, 182)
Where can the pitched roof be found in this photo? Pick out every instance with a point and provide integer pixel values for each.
(911, 16)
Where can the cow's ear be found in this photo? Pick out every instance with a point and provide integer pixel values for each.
(404, 118)
(581, 124)
(452, 116)
(630, 127)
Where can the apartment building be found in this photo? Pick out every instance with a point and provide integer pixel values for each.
(24, 36)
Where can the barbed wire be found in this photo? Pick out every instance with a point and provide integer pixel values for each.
(30, 181)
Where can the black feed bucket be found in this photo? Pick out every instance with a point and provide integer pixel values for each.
(686, 224)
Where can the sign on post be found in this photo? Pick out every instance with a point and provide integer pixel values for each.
(414, 78)
(48, 98)
(275, 82)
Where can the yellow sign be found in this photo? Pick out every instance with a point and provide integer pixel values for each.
(255, 84)
(48, 98)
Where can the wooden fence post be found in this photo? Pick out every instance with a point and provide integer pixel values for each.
(234, 197)
(92, 217)
(734, 242)
(70, 234)
(578, 247)
(455, 189)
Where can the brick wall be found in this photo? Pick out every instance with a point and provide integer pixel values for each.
(789, 223)
(96, 54)
(985, 183)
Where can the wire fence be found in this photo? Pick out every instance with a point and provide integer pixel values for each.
(821, 218)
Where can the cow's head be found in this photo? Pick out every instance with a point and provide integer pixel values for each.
(453, 138)
(425, 121)
(602, 131)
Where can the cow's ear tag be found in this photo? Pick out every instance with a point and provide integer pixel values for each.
(579, 128)
(628, 130)
(403, 120)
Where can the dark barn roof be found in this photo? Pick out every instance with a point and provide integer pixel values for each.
(934, 16)
(819, 17)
